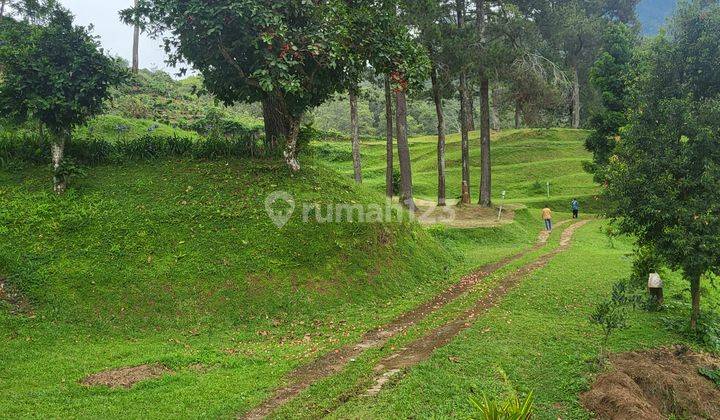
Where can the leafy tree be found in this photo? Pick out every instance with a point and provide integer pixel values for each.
(612, 76)
(292, 56)
(574, 27)
(664, 181)
(54, 74)
(34, 11)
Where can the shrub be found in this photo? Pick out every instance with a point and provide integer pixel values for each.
(537, 188)
(708, 329)
(333, 152)
(712, 374)
(216, 124)
(68, 169)
(611, 315)
(510, 409)
(31, 148)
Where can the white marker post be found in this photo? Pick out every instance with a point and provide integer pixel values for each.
(548, 189)
(502, 202)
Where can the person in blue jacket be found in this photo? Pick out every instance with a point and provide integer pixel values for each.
(575, 208)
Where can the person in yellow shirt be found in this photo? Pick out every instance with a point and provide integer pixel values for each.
(547, 217)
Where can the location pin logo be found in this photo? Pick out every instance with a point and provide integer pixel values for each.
(280, 206)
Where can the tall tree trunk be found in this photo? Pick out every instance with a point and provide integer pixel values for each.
(437, 97)
(389, 168)
(465, 137)
(136, 47)
(355, 136)
(495, 110)
(486, 169)
(485, 165)
(576, 97)
(518, 114)
(406, 193)
(281, 129)
(695, 292)
(2, 8)
(291, 145)
(464, 116)
(471, 109)
(58, 153)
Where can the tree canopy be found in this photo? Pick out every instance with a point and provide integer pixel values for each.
(292, 56)
(613, 76)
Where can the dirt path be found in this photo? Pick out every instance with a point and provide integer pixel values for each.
(331, 363)
(422, 348)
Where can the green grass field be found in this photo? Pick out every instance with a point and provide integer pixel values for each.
(177, 263)
(524, 161)
(114, 129)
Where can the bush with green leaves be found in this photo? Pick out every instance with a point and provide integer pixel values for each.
(32, 148)
(510, 409)
(707, 332)
(612, 315)
(537, 188)
(396, 180)
(217, 124)
(712, 374)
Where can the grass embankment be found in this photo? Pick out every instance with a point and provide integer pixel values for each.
(176, 262)
(523, 162)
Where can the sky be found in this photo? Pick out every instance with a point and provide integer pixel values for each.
(115, 36)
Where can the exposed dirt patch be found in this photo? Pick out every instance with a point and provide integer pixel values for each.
(126, 377)
(655, 384)
(465, 216)
(19, 305)
(334, 362)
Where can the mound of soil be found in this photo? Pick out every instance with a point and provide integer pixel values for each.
(126, 377)
(656, 384)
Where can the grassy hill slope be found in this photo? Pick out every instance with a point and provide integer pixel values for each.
(178, 243)
(176, 262)
(523, 162)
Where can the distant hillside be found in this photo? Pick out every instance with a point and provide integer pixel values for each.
(654, 13)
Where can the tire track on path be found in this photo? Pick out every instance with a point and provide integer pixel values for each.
(422, 348)
(333, 362)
